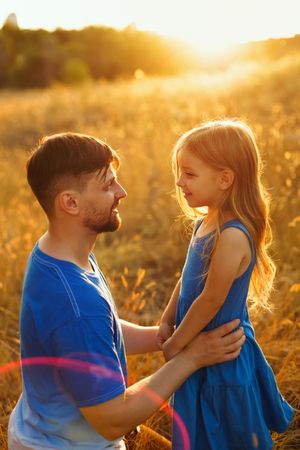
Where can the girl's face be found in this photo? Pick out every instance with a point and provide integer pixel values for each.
(199, 183)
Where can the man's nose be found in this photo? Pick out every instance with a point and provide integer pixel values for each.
(121, 193)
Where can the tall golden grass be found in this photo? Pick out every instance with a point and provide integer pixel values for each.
(142, 119)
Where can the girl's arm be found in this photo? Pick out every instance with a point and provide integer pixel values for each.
(231, 248)
(168, 315)
(167, 321)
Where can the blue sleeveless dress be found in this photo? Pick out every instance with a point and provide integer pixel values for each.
(232, 405)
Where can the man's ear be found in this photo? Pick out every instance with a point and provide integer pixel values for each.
(68, 202)
(226, 179)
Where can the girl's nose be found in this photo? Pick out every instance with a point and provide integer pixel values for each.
(179, 182)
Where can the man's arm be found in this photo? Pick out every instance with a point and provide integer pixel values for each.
(139, 339)
(116, 417)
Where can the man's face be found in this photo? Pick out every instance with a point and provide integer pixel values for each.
(100, 200)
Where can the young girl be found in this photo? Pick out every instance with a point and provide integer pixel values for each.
(233, 405)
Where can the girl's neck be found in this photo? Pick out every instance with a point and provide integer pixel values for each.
(212, 215)
(208, 224)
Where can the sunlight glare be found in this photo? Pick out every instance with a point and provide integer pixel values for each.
(211, 27)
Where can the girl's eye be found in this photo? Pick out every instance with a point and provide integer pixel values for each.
(189, 174)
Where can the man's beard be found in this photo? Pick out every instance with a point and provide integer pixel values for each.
(102, 223)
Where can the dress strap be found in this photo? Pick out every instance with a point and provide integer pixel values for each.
(196, 226)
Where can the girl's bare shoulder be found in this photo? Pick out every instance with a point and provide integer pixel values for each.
(234, 237)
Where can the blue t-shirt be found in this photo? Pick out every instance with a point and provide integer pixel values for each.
(72, 354)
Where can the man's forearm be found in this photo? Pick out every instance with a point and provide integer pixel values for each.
(121, 414)
(140, 401)
(145, 397)
(139, 339)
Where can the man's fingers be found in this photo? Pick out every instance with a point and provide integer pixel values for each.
(236, 345)
(225, 329)
(232, 355)
(233, 337)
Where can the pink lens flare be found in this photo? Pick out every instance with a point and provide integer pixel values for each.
(96, 369)
(178, 422)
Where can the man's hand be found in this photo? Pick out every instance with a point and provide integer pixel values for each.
(215, 346)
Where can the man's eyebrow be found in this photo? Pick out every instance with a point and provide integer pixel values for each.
(110, 179)
(101, 175)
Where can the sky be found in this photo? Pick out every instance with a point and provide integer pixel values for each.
(211, 24)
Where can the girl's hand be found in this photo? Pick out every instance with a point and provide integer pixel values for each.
(164, 332)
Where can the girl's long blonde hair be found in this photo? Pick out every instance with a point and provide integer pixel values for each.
(231, 144)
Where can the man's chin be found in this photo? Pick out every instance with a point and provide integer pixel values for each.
(111, 226)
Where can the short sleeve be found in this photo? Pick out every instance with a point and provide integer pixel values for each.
(88, 366)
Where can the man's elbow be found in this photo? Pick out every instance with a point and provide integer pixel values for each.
(109, 429)
(109, 419)
(109, 432)
(112, 433)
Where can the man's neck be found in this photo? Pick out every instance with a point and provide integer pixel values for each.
(64, 244)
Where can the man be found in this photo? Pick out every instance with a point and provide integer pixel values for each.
(72, 342)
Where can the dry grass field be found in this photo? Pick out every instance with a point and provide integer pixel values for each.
(142, 119)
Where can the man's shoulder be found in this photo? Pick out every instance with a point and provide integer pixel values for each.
(55, 293)
(53, 273)
(62, 280)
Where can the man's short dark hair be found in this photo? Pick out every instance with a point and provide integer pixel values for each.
(59, 162)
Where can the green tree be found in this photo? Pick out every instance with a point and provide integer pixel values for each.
(75, 71)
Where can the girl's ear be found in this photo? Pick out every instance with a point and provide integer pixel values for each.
(226, 179)
(68, 202)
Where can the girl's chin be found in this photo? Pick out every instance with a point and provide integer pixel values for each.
(191, 202)
(195, 205)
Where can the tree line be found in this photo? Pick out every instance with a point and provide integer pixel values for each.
(39, 58)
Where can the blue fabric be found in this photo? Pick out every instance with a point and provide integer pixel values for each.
(68, 318)
(233, 405)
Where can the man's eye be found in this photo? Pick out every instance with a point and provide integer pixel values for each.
(107, 186)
